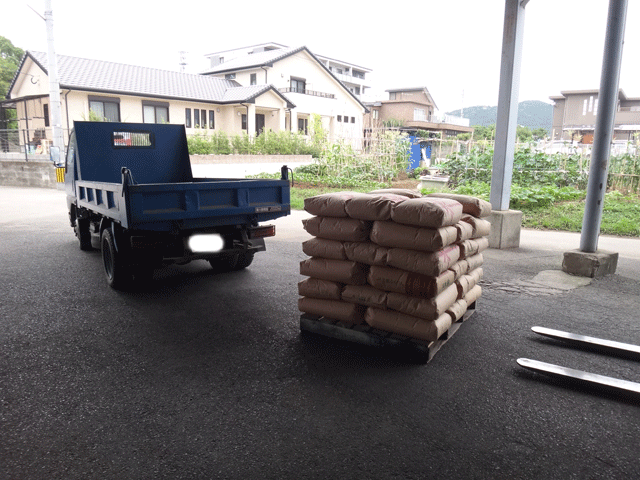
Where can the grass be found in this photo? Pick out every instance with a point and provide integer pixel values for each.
(621, 214)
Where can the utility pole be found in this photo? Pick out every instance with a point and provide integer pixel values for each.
(55, 109)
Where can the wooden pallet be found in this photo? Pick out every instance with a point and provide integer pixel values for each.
(411, 348)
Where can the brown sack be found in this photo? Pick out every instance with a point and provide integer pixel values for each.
(396, 322)
(458, 309)
(366, 252)
(341, 271)
(372, 207)
(471, 205)
(365, 295)
(461, 267)
(465, 231)
(392, 234)
(481, 227)
(400, 281)
(425, 308)
(474, 262)
(333, 309)
(468, 281)
(323, 248)
(317, 288)
(330, 204)
(425, 263)
(343, 229)
(405, 192)
(473, 295)
(472, 247)
(427, 212)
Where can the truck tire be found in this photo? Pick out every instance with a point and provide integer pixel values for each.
(244, 260)
(82, 232)
(230, 263)
(116, 268)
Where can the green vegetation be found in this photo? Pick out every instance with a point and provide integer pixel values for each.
(10, 57)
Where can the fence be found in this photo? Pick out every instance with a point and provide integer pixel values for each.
(27, 142)
(546, 163)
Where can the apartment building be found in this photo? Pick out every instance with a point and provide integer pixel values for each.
(575, 112)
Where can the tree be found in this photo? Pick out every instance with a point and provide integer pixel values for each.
(10, 57)
(484, 133)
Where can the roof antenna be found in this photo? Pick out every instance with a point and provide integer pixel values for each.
(183, 60)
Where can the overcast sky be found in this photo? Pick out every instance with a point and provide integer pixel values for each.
(452, 47)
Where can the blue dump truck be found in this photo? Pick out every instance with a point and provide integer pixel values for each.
(131, 194)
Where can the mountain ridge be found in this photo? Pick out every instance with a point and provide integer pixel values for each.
(531, 113)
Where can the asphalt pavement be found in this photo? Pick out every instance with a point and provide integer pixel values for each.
(206, 375)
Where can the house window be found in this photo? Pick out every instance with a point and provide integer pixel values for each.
(244, 121)
(203, 116)
(212, 120)
(45, 111)
(187, 117)
(196, 118)
(253, 79)
(298, 85)
(346, 119)
(303, 125)
(155, 112)
(353, 119)
(339, 118)
(230, 76)
(419, 115)
(105, 108)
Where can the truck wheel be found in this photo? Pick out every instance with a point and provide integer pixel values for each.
(244, 260)
(82, 232)
(116, 269)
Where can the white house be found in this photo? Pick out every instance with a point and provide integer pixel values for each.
(303, 77)
(128, 93)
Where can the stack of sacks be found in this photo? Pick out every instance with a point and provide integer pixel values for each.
(404, 265)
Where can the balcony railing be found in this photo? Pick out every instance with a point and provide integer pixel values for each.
(307, 92)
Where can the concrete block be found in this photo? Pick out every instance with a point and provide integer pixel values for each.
(587, 264)
(505, 228)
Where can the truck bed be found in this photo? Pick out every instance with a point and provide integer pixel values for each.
(201, 203)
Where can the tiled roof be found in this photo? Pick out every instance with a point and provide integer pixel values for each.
(100, 76)
(254, 60)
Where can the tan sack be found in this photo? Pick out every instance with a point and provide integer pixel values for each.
(427, 212)
(426, 263)
(396, 322)
(365, 295)
(458, 309)
(461, 267)
(332, 309)
(366, 252)
(468, 281)
(474, 262)
(341, 271)
(474, 246)
(481, 227)
(425, 308)
(330, 204)
(343, 229)
(401, 281)
(405, 192)
(321, 247)
(372, 207)
(317, 288)
(473, 295)
(471, 205)
(465, 231)
(392, 234)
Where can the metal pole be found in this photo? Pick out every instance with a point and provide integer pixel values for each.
(57, 149)
(607, 105)
(506, 123)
